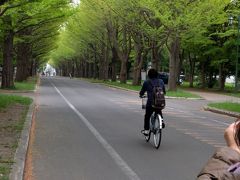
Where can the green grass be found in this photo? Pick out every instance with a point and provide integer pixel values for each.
(178, 93)
(181, 93)
(4, 170)
(26, 85)
(7, 100)
(233, 94)
(229, 106)
(186, 84)
(127, 86)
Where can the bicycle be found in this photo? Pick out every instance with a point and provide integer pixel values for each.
(155, 126)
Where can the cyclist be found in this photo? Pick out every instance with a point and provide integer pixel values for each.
(147, 87)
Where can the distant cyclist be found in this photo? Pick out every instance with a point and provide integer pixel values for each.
(148, 87)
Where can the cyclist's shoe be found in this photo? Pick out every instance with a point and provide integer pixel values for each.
(163, 124)
(145, 132)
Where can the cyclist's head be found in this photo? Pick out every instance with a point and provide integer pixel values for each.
(152, 73)
(237, 132)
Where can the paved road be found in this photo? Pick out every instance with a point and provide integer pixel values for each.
(87, 131)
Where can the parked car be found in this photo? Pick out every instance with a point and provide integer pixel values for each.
(163, 76)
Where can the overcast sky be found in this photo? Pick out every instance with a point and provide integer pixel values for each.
(75, 1)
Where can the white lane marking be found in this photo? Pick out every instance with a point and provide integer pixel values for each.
(116, 157)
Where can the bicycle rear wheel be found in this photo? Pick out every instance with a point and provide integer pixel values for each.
(157, 133)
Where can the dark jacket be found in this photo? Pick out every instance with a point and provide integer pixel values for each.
(148, 87)
(217, 166)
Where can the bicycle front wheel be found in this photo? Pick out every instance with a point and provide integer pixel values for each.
(157, 134)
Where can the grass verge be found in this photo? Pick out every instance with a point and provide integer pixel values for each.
(229, 106)
(178, 93)
(26, 85)
(233, 94)
(11, 126)
(4, 171)
(7, 100)
(181, 93)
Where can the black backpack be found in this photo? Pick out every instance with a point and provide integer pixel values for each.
(158, 96)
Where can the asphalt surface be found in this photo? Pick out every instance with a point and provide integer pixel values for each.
(89, 131)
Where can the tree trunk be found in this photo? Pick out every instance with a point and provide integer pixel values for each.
(81, 68)
(91, 70)
(113, 64)
(192, 70)
(173, 64)
(64, 69)
(112, 38)
(106, 64)
(77, 64)
(71, 67)
(124, 51)
(124, 55)
(222, 78)
(101, 65)
(137, 67)
(23, 62)
(34, 68)
(181, 58)
(95, 67)
(202, 75)
(137, 70)
(7, 72)
(155, 56)
(85, 69)
(123, 71)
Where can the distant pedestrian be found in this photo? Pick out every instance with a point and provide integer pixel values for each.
(70, 75)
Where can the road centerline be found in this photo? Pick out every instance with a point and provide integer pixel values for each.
(112, 152)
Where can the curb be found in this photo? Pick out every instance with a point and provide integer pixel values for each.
(170, 97)
(17, 170)
(117, 87)
(219, 111)
(167, 97)
(17, 91)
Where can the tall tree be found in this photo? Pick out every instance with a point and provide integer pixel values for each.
(22, 20)
(8, 34)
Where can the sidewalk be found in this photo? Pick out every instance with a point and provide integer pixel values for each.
(214, 97)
